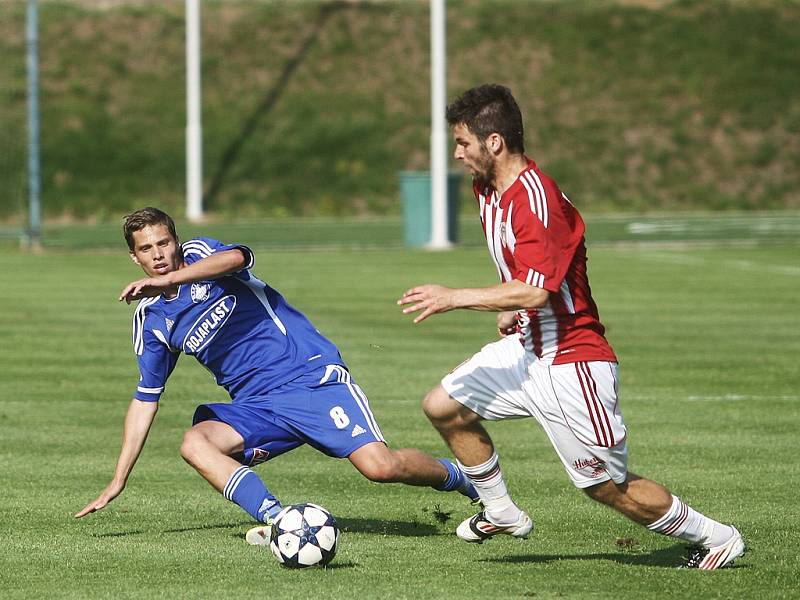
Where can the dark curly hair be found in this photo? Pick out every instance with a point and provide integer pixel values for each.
(487, 109)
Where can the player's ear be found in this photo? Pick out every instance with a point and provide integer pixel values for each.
(496, 142)
(133, 258)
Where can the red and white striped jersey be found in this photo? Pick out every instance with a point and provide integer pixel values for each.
(535, 235)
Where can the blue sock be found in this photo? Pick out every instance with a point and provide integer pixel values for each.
(248, 491)
(454, 477)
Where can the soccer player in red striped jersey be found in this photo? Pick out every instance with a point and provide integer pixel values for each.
(553, 361)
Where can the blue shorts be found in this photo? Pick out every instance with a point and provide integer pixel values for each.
(324, 409)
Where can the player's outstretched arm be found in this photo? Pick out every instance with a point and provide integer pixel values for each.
(138, 420)
(431, 299)
(215, 266)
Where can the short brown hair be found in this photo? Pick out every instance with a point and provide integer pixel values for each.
(138, 220)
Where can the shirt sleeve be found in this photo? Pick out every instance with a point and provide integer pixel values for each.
(199, 248)
(536, 252)
(156, 363)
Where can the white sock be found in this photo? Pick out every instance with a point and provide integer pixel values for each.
(491, 487)
(683, 522)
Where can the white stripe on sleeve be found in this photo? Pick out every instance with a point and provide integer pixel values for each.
(534, 178)
(139, 316)
(531, 199)
(200, 245)
(145, 390)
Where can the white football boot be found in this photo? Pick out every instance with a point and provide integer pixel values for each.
(716, 557)
(259, 535)
(478, 528)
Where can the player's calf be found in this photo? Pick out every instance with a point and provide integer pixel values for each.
(410, 466)
(641, 500)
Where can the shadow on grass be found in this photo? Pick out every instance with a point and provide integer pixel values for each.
(270, 99)
(670, 557)
(246, 524)
(380, 527)
(179, 530)
(346, 524)
(386, 527)
(112, 534)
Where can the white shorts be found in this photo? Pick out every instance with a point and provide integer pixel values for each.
(575, 403)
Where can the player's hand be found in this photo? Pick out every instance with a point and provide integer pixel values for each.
(507, 323)
(112, 491)
(428, 299)
(144, 288)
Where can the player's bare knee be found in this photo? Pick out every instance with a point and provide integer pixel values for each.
(439, 407)
(430, 404)
(382, 470)
(193, 442)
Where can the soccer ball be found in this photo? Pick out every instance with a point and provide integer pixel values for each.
(304, 535)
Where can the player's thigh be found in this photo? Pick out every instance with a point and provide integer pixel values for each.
(217, 434)
(336, 418)
(587, 395)
(576, 404)
(491, 382)
(262, 435)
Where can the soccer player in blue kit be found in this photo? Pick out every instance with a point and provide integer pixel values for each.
(288, 384)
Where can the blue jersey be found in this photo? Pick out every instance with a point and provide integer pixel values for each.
(237, 326)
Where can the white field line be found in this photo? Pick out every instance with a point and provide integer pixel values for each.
(749, 265)
(722, 398)
(740, 265)
(738, 398)
(714, 225)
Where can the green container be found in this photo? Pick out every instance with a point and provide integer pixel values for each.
(415, 193)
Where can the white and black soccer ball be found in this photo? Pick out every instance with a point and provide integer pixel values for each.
(304, 535)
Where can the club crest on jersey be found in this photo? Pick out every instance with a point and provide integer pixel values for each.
(503, 233)
(208, 325)
(200, 292)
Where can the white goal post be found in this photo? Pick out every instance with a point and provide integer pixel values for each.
(194, 127)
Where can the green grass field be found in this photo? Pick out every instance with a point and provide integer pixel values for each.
(707, 335)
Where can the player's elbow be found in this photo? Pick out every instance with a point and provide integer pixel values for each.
(237, 259)
(534, 297)
(523, 296)
(242, 259)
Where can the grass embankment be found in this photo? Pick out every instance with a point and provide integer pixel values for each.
(313, 108)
